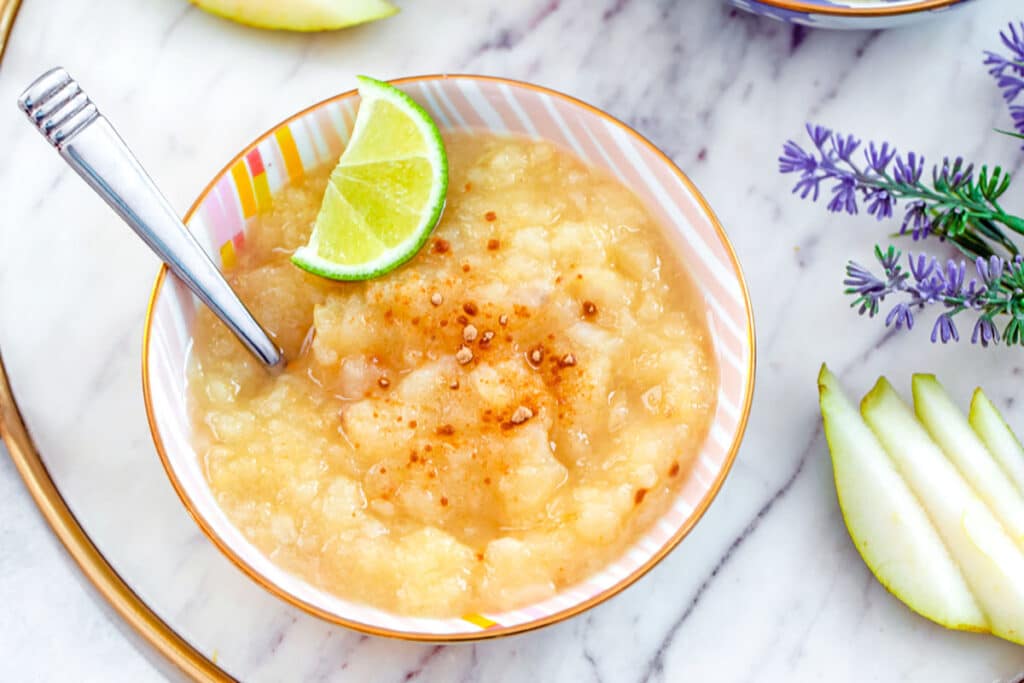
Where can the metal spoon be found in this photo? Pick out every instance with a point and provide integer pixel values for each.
(66, 117)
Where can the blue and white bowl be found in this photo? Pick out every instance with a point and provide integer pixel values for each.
(849, 14)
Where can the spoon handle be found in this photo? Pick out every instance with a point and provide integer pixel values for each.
(69, 120)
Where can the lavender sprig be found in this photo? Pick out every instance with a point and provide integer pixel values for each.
(996, 294)
(1009, 72)
(953, 204)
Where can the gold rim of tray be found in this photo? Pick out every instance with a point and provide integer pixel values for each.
(84, 552)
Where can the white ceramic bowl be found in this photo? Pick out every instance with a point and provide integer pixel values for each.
(849, 14)
(315, 137)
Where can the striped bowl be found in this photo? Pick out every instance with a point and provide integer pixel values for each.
(316, 136)
(849, 14)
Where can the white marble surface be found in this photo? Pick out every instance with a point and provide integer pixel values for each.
(767, 587)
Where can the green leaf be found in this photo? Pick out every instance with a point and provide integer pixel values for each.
(992, 187)
(972, 246)
(993, 232)
(1011, 133)
(1012, 333)
(954, 222)
(1012, 222)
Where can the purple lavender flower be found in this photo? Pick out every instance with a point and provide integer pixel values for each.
(807, 185)
(944, 329)
(955, 205)
(974, 294)
(845, 146)
(990, 271)
(922, 268)
(1014, 42)
(900, 316)
(795, 160)
(880, 203)
(996, 292)
(862, 280)
(909, 172)
(916, 218)
(952, 174)
(932, 288)
(1012, 85)
(878, 158)
(1017, 116)
(844, 196)
(954, 277)
(985, 331)
(818, 134)
(1009, 70)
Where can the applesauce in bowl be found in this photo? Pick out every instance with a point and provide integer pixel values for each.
(509, 429)
(480, 428)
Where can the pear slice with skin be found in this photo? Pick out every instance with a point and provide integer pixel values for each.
(886, 522)
(949, 428)
(299, 15)
(991, 428)
(991, 563)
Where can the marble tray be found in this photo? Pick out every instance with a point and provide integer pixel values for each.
(767, 586)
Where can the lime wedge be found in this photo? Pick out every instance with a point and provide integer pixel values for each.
(299, 15)
(386, 193)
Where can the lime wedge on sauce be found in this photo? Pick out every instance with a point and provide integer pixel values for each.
(386, 194)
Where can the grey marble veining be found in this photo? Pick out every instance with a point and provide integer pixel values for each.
(767, 587)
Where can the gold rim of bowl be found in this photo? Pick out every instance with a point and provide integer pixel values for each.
(812, 8)
(494, 632)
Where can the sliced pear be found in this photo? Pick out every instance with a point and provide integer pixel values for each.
(891, 530)
(299, 15)
(949, 428)
(991, 563)
(990, 426)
